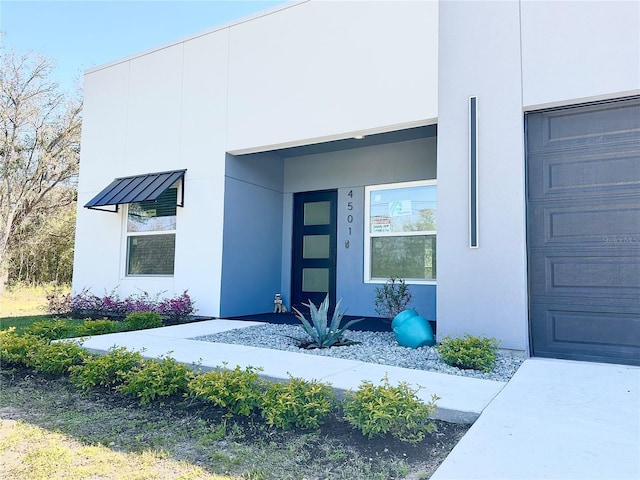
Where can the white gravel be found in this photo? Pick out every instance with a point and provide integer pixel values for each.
(374, 347)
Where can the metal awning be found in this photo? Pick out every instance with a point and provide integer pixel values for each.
(139, 188)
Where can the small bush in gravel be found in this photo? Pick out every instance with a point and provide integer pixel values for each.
(56, 358)
(98, 327)
(156, 378)
(15, 349)
(297, 403)
(238, 390)
(52, 329)
(392, 298)
(478, 353)
(106, 371)
(142, 321)
(379, 410)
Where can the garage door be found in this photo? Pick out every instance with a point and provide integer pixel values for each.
(583, 231)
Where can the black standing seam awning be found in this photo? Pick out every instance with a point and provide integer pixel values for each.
(139, 188)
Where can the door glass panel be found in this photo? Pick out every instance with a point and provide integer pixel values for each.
(315, 280)
(317, 213)
(315, 246)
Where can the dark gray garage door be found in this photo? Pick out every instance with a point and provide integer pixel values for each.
(583, 221)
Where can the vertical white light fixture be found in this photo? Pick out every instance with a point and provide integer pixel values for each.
(473, 172)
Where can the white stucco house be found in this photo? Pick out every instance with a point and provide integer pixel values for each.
(486, 151)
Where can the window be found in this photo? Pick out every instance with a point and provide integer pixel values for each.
(151, 235)
(400, 231)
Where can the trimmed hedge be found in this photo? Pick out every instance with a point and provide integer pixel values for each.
(374, 410)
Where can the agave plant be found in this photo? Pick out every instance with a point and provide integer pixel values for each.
(324, 334)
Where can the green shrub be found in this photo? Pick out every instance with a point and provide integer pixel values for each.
(53, 329)
(299, 403)
(15, 349)
(385, 409)
(479, 353)
(156, 378)
(98, 327)
(142, 321)
(57, 357)
(238, 390)
(105, 371)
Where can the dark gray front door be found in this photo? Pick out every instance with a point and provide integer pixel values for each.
(314, 248)
(583, 222)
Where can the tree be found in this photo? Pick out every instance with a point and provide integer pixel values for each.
(39, 146)
(41, 250)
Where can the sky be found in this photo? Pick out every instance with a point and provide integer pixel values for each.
(80, 34)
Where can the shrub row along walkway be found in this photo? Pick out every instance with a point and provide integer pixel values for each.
(554, 419)
(461, 398)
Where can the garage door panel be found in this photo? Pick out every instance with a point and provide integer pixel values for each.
(607, 223)
(586, 275)
(586, 172)
(586, 125)
(586, 176)
(583, 232)
(593, 333)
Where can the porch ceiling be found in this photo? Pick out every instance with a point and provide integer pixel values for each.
(368, 141)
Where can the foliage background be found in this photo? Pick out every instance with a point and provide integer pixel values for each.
(40, 127)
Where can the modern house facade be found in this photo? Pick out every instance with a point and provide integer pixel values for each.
(487, 152)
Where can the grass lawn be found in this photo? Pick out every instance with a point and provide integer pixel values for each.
(21, 307)
(29, 452)
(49, 429)
(24, 301)
(22, 323)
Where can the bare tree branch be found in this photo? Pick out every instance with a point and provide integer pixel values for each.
(39, 139)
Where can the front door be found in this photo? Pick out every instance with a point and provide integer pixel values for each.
(314, 248)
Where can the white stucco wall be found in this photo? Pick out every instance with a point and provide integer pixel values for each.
(157, 112)
(579, 51)
(326, 70)
(482, 290)
(307, 72)
(515, 57)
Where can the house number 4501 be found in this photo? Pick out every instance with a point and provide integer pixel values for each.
(349, 218)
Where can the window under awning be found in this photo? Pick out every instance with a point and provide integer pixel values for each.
(138, 188)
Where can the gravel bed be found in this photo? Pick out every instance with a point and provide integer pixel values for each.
(374, 347)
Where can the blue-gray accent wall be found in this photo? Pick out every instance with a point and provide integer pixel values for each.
(350, 171)
(258, 221)
(357, 295)
(252, 234)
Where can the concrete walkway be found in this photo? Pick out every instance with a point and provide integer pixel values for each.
(555, 419)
